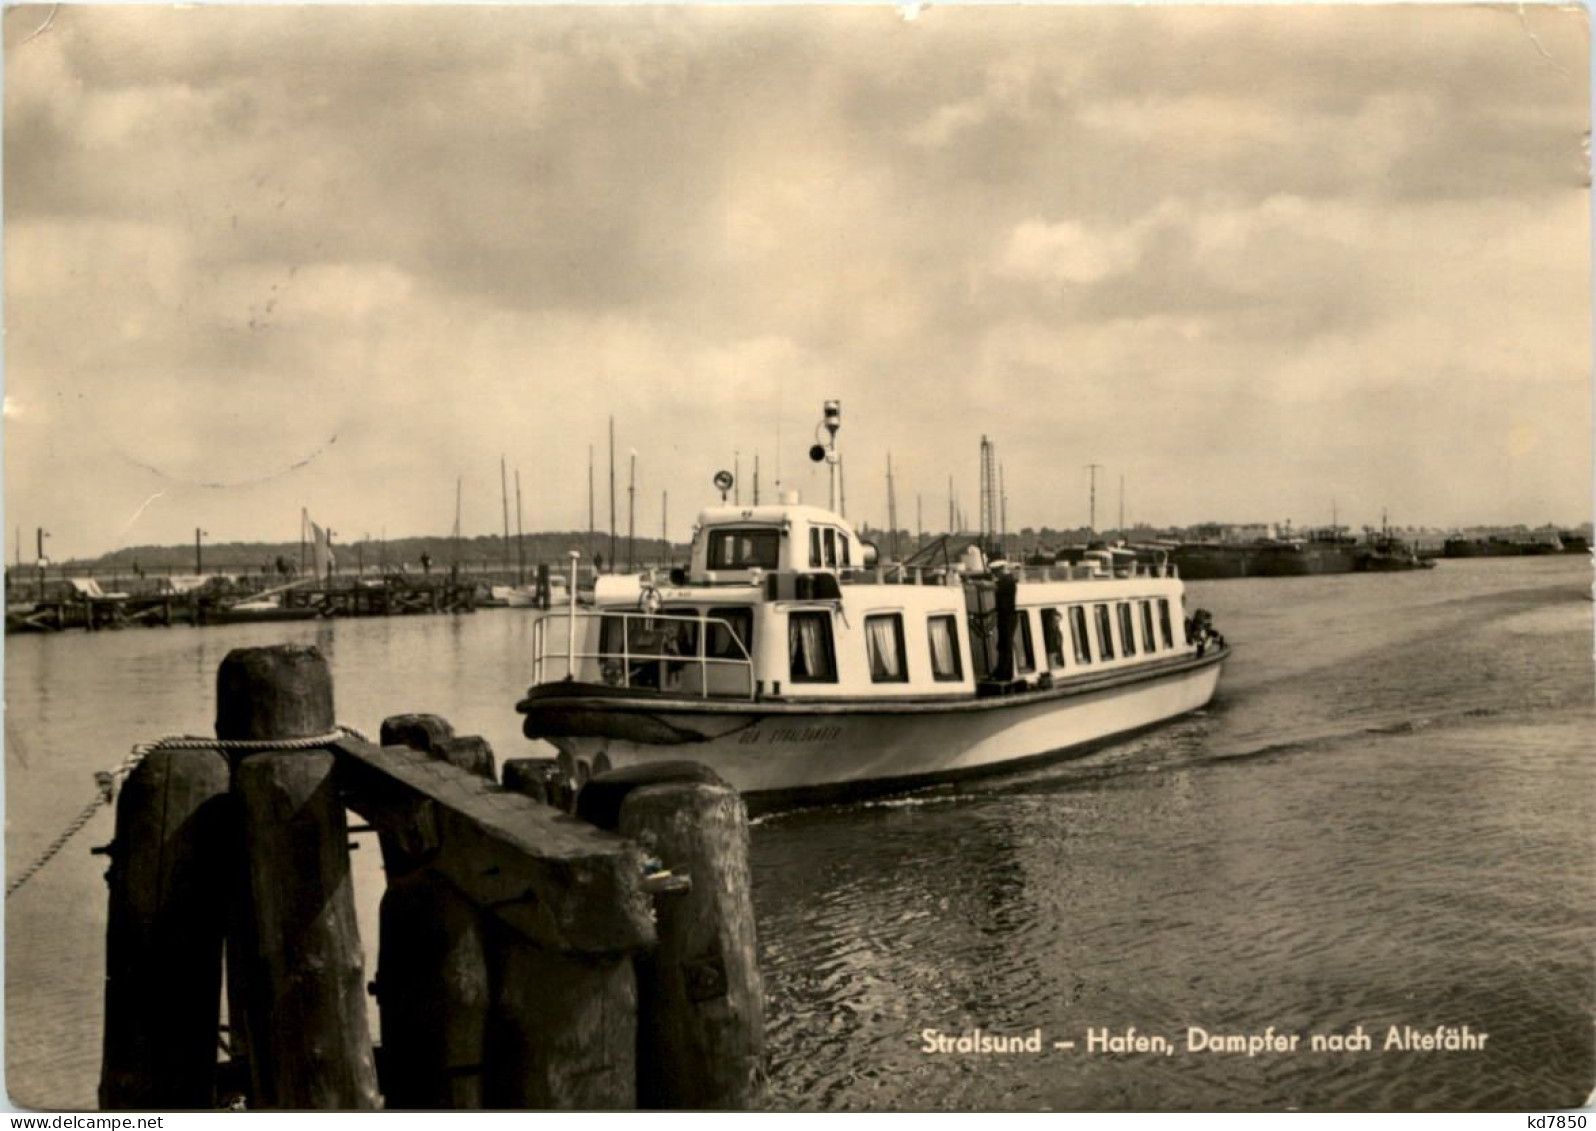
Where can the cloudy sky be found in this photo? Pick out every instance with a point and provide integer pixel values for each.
(1252, 260)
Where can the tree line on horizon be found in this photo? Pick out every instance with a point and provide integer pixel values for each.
(552, 548)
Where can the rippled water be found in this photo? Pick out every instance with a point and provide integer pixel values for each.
(1384, 819)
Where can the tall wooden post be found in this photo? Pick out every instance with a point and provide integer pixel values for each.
(171, 868)
(432, 989)
(297, 946)
(701, 1021)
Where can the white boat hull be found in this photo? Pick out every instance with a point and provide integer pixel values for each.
(770, 751)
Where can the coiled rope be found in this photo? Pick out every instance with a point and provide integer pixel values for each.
(106, 781)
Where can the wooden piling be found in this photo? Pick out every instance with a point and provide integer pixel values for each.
(171, 867)
(563, 1029)
(701, 1022)
(301, 965)
(539, 779)
(432, 990)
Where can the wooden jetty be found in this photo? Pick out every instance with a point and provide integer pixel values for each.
(528, 957)
(388, 597)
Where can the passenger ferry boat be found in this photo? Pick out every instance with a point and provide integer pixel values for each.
(791, 663)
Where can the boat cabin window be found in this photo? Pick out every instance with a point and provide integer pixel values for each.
(1127, 628)
(723, 644)
(884, 641)
(1053, 637)
(1163, 622)
(831, 547)
(944, 636)
(811, 655)
(1078, 635)
(1105, 632)
(1147, 627)
(814, 547)
(1024, 653)
(646, 651)
(758, 548)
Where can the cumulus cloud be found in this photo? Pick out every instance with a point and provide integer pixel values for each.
(445, 233)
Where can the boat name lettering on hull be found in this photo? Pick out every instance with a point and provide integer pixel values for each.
(791, 734)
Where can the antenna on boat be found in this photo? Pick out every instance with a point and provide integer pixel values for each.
(1091, 525)
(831, 420)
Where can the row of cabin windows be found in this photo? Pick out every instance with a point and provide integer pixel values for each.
(828, 547)
(812, 656)
(1132, 616)
(812, 651)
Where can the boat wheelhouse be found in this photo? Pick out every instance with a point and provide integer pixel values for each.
(798, 667)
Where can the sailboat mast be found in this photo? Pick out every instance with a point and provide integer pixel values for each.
(520, 543)
(457, 483)
(612, 493)
(892, 508)
(504, 502)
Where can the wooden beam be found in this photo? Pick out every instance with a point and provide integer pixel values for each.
(559, 882)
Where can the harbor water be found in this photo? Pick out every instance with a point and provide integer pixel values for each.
(1382, 826)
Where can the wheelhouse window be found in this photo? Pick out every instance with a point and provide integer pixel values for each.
(810, 653)
(744, 549)
(1053, 637)
(1148, 644)
(1163, 623)
(1105, 632)
(814, 547)
(733, 638)
(831, 547)
(884, 642)
(1127, 628)
(1080, 640)
(944, 635)
(1024, 653)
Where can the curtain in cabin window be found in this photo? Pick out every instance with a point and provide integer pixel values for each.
(1053, 637)
(882, 640)
(944, 648)
(809, 648)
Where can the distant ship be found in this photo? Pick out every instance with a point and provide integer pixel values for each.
(1315, 553)
(1495, 546)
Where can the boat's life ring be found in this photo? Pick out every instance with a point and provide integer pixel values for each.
(649, 600)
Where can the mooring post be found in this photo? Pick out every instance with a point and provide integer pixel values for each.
(701, 1014)
(432, 990)
(171, 869)
(562, 1031)
(303, 991)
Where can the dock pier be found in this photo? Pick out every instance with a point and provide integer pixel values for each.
(527, 958)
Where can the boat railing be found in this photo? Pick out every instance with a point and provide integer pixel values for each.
(645, 651)
(898, 574)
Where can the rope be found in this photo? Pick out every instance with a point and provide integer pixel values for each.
(105, 782)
